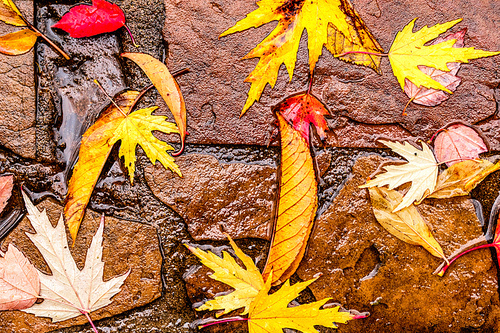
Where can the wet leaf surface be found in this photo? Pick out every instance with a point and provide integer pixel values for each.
(281, 45)
(85, 21)
(461, 178)
(18, 42)
(6, 186)
(168, 88)
(406, 224)
(408, 51)
(450, 80)
(458, 142)
(246, 282)
(421, 170)
(19, 282)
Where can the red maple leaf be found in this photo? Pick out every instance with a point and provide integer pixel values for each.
(302, 110)
(85, 21)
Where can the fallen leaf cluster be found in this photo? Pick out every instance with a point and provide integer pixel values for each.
(458, 146)
(20, 42)
(424, 64)
(267, 313)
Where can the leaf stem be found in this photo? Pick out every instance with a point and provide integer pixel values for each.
(443, 270)
(227, 320)
(38, 32)
(110, 98)
(310, 84)
(90, 321)
(131, 36)
(362, 52)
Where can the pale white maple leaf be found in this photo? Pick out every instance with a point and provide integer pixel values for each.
(68, 292)
(421, 170)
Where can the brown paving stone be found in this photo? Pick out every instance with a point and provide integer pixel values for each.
(214, 197)
(17, 88)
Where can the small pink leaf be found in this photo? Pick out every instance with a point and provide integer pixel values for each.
(19, 281)
(458, 143)
(433, 97)
(6, 185)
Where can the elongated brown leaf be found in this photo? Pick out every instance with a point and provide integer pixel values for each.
(462, 177)
(406, 224)
(6, 186)
(94, 151)
(167, 87)
(18, 42)
(297, 205)
(19, 281)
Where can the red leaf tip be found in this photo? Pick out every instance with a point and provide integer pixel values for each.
(302, 110)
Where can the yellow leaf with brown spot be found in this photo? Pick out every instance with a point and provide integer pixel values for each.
(406, 224)
(18, 42)
(114, 125)
(167, 87)
(298, 200)
(461, 178)
(10, 14)
(318, 17)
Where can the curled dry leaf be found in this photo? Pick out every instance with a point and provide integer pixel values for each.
(462, 177)
(168, 88)
(85, 21)
(406, 224)
(298, 200)
(408, 52)
(6, 186)
(421, 170)
(19, 282)
(69, 292)
(458, 143)
(450, 80)
(272, 314)
(332, 23)
(246, 281)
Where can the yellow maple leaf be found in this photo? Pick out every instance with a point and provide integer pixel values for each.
(246, 282)
(408, 52)
(281, 45)
(271, 314)
(97, 143)
(137, 129)
(266, 313)
(10, 14)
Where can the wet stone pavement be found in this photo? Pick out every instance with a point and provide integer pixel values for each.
(230, 166)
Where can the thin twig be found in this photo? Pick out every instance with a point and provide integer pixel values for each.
(39, 33)
(110, 98)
